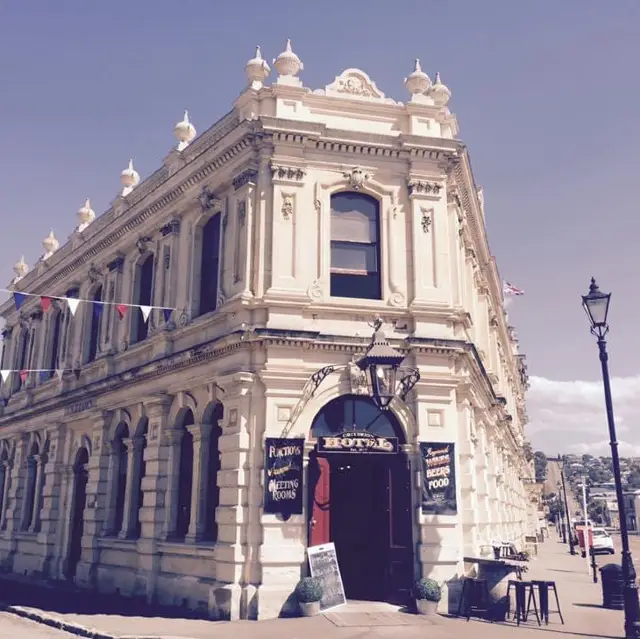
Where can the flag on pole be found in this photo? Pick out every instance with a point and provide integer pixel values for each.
(510, 289)
(145, 310)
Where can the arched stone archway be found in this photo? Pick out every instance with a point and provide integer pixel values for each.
(360, 497)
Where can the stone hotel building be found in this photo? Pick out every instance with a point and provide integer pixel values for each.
(155, 350)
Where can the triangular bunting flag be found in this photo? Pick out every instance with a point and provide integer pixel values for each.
(166, 312)
(145, 310)
(45, 302)
(5, 375)
(19, 299)
(60, 373)
(44, 376)
(122, 310)
(97, 309)
(73, 304)
(23, 376)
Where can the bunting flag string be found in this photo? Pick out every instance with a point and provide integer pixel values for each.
(44, 373)
(46, 301)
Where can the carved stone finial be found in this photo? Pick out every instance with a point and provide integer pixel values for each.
(257, 70)
(130, 179)
(288, 65)
(439, 92)
(185, 132)
(418, 81)
(50, 245)
(85, 216)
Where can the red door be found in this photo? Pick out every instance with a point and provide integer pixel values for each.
(320, 501)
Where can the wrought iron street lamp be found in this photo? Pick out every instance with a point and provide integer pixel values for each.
(381, 364)
(596, 305)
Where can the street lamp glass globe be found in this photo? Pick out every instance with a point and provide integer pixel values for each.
(596, 305)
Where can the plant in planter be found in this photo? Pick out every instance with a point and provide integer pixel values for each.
(427, 594)
(308, 592)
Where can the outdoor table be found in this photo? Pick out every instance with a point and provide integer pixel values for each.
(496, 573)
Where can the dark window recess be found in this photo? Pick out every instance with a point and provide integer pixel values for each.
(121, 487)
(96, 323)
(55, 343)
(210, 265)
(143, 298)
(185, 482)
(355, 246)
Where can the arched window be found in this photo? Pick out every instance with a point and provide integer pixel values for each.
(31, 486)
(210, 265)
(54, 338)
(355, 246)
(23, 356)
(121, 456)
(213, 490)
(143, 296)
(185, 482)
(96, 323)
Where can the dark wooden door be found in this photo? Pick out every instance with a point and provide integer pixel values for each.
(319, 500)
(77, 520)
(400, 559)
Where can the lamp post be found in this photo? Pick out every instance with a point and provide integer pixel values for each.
(596, 305)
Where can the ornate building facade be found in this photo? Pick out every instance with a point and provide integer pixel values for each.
(170, 335)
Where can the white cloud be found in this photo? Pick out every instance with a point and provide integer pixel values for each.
(570, 417)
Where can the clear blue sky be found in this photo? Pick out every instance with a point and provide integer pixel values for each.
(546, 93)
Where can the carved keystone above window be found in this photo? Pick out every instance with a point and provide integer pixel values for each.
(421, 187)
(142, 243)
(94, 273)
(357, 177)
(292, 173)
(247, 177)
(209, 201)
(170, 228)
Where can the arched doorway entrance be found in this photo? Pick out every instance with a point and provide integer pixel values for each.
(360, 498)
(76, 527)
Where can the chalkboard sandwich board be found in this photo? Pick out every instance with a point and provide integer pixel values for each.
(323, 563)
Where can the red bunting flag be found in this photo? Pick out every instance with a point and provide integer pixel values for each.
(45, 302)
(122, 310)
(23, 376)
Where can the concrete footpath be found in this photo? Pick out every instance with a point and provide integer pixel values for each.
(580, 600)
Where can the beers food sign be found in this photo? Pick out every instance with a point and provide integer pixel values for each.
(283, 476)
(438, 479)
(357, 442)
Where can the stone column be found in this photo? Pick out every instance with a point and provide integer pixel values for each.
(154, 485)
(201, 434)
(173, 437)
(131, 496)
(113, 471)
(95, 510)
(40, 461)
(51, 524)
(6, 475)
(15, 492)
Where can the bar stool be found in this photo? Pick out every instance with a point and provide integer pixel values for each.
(474, 600)
(543, 597)
(523, 603)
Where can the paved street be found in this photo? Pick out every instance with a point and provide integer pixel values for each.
(579, 597)
(13, 627)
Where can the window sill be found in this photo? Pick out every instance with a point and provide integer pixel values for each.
(203, 549)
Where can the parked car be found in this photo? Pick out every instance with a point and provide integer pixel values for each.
(602, 542)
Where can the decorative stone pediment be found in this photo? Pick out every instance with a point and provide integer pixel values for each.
(354, 83)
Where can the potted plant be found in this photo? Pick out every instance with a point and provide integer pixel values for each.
(427, 594)
(308, 592)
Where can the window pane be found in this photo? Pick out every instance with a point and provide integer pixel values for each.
(356, 286)
(354, 217)
(354, 258)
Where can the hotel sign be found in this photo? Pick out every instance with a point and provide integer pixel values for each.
(438, 479)
(283, 476)
(357, 442)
